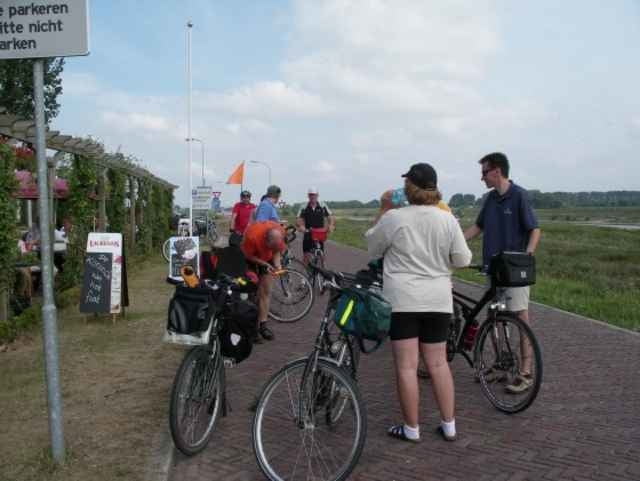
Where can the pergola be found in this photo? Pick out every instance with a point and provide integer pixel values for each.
(24, 130)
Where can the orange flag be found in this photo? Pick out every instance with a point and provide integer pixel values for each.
(238, 175)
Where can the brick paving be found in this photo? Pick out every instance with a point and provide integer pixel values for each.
(584, 425)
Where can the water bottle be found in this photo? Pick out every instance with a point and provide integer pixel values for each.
(470, 335)
(399, 198)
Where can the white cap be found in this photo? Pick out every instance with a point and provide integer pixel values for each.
(312, 190)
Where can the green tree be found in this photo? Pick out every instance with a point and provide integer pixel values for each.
(16, 87)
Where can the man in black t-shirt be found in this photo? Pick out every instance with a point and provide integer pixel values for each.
(313, 215)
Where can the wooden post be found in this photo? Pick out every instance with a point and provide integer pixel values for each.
(102, 199)
(4, 304)
(132, 211)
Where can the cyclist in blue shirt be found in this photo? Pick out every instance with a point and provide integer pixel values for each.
(267, 208)
(507, 223)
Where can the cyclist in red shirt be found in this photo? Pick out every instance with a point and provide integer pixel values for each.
(241, 213)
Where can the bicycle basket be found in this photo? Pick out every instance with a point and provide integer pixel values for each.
(513, 269)
(190, 310)
(363, 314)
(318, 235)
(239, 324)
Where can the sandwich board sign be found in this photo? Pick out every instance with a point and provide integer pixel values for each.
(104, 286)
(43, 28)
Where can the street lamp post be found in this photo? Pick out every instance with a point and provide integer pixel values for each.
(193, 139)
(189, 96)
(265, 164)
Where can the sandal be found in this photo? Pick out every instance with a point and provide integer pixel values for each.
(440, 432)
(398, 433)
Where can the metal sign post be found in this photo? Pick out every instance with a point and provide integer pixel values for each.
(49, 318)
(48, 28)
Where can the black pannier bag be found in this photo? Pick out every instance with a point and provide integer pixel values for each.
(513, 269)
(190, 310)
(239, 327)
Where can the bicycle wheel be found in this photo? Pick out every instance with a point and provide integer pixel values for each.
(295, 264)
(506, 349)
(196, 399)
(291, 297)
(166, 250)
(291, 438)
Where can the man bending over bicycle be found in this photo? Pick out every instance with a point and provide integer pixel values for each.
(262, 246)
(312, 216)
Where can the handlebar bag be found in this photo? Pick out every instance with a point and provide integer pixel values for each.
(190, 310)
(513, 269)
(363, 314)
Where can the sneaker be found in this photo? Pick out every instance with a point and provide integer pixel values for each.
(520, 384)
(440, 432)
(266, 333)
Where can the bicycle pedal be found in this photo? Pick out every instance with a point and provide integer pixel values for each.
(229, 363)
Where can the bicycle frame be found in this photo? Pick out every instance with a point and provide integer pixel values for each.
(474, 307)
(322, 348)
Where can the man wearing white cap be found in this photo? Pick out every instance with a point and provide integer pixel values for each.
(313, 216)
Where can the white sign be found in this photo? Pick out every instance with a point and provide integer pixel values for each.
(110, 243)
(44, 28)
(202, 198)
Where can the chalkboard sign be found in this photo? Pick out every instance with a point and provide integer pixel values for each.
(96, 284)
(111, 243)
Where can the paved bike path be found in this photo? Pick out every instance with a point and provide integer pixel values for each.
(584, 425)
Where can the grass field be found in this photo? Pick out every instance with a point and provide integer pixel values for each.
(588, 270)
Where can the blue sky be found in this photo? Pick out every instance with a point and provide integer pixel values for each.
(345, 95)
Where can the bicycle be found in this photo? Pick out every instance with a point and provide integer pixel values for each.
(496, 345)
(183, 231)
(318, 236)
(317, 400)
(198, 395)
(211, 232)
(497, 348)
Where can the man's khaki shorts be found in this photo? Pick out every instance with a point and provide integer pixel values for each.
(517, 298)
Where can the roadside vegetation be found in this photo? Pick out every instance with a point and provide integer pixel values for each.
(115, 382)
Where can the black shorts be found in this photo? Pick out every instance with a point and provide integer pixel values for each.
(258, 268)
(308, 244)
(429, 327)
